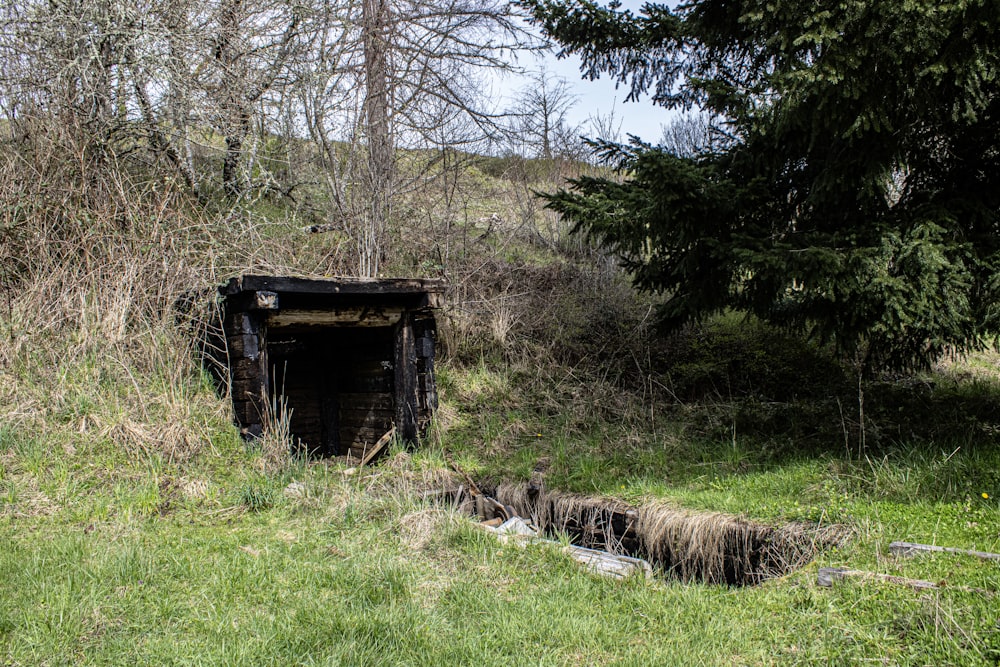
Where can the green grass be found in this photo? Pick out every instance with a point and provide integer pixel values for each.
(136, 528)
(927, 470)
(355, 571)
(926, 492)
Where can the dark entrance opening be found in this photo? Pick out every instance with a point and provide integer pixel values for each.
(344, 360)
(337, 385)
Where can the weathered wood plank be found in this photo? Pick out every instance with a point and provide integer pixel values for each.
(360, 384)
(365, 401)
(827, 576)
(334, 286)
(245, 369)
(335, 317)
(249, 301)
(243, 345)
(425, 347)
(406, 381)
(377, 448)
(237, 324)
(365, 419)
(353, 411)
(608, 564)
(914, 548)
(246, 412)
(329, 409)
(279, 349)
(368, 371)
(359, 435)
(264, 300)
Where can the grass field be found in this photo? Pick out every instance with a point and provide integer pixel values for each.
(112, 555)
(352, 570)
(136, 527)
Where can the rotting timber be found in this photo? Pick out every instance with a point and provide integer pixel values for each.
(343, 360)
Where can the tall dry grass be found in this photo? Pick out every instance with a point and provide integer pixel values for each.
(94, 252)
(97, 246)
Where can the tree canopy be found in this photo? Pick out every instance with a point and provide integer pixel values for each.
(854, 190)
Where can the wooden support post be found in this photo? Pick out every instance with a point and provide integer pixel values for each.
(247, 371)
(329, 416)
(406, 380)
(829, 575)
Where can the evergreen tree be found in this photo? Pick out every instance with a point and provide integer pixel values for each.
(857, 191)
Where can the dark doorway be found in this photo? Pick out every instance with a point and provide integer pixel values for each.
(344, 361)
(336, 385)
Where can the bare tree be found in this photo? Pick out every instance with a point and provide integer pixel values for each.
(607, 127)
(693, 134)
(69, 60)
(251, 49)
(541, 126)
(164, 83)
(389, 74)
(136, 75)
(376, 35)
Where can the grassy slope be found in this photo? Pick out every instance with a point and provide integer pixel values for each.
(135, 526)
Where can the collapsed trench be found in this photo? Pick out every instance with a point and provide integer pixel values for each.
(708, 547)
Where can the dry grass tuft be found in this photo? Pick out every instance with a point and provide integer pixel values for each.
(193, 488)
(277, 442)
(93, 261)
(398, 477)
(593, 519)
(421, 529)
(722, 548)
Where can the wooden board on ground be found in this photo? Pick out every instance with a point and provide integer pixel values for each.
(609, 564)
(828, 575)
(914, 548)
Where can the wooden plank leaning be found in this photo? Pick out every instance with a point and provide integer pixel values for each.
(377, 447)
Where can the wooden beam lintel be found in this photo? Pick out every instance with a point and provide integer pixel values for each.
(342, 317)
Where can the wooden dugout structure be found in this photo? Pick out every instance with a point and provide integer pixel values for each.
(345, 360)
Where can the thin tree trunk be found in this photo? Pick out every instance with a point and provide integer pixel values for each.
(234, 106)
(381, 163)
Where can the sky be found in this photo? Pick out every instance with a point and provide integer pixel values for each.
(600, 97)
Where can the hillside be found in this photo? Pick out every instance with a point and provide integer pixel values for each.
(136, 526)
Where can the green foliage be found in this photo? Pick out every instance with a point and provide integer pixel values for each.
(257, 495)
(856, 195)
(732, 357)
